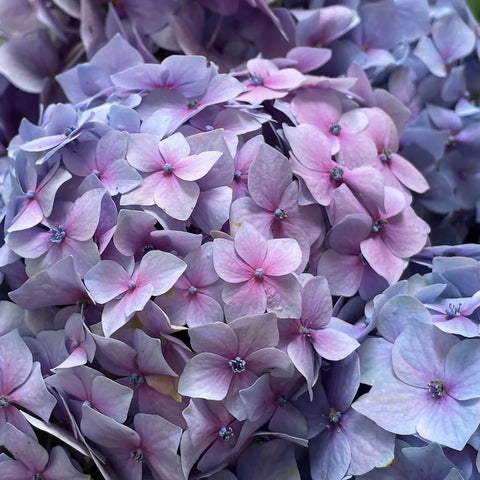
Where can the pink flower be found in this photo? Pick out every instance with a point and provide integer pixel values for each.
(266, 81)
(155, 274)
(259, 273)
(323, 108)
(171, 173)
(312, 161)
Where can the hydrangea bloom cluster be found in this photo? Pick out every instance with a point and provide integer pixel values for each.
(217, 258)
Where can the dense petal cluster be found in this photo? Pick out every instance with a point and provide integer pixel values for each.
(226, 230)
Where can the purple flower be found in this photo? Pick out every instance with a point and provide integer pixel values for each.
(386, 244)
(60, 124)
(187, 75)
(85, 386)
(231, 357)
(37, 200)
(213, 434)
(164, 105)
(259, 273)
(233, 121)
(78, 342)
(92, 79)
(269, 399)
(436, 375)
(321, 26)
(21, 384)
(154, 442)
(135, 235)
(196, 296)
(451, 315)
(143, 368)
(266, 81)
(323, 109)
(272, 208)
(342, 441)
(343, 264)
(451, 39)
(71, 228)
(396, 170)
(171, 173)
(312, 161)
(107, 280)
(413, 462)
(105, 160)
(310, 334)
(29, 60)
(59, 284)
(32, 461)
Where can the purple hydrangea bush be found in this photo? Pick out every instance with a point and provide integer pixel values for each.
(226, 240)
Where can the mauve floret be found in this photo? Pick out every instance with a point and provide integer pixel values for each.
(33, 462)
(259, 270)
(432, 375)
(107, 280)
(22, 384)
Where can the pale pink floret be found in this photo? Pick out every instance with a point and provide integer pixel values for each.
(311, 160)
(395, 235)
(259, 272)
(155, 274)
(323, 108)
(37, 202)
(397, 171)
(453, 315)
(311, 335)
(266, 81)
(171, 173)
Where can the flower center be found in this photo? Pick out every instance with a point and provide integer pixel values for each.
(137, 455)
(225, 433)
(237, 175)
(255, 80)
(282, 400)
(436, 388)
(30, 194)
(386, 156)
(167, 168)
(237, 364)
(334, 415)
(69, 130)
(87, 403)
(259, 273)
(147, 248)
(58, 234)
(192, 104)
(4, 402)
(37, 476)
(81, 304)
(336, 173)
(453, 310)
(379, 224)
(96, 172)
(335, 129)
(136, 379)
(208, 128)
(305, 331)
(131, 285)
(192, 290)
(280, 214)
